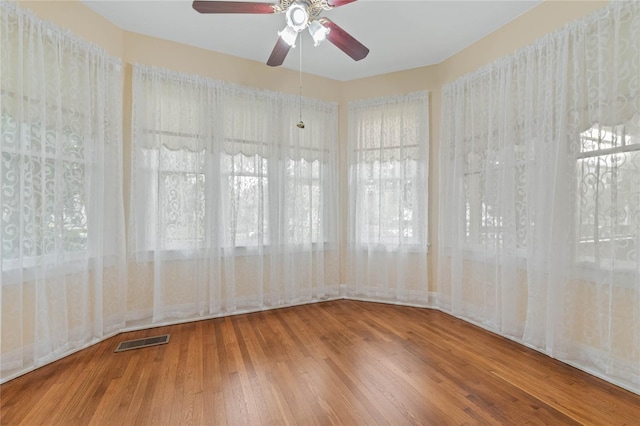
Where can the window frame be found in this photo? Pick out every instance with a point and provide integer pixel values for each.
(587, 262)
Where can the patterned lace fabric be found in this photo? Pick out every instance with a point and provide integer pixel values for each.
(61, 191)
(540, 195)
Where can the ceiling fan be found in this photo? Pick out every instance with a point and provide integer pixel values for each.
(300, 14)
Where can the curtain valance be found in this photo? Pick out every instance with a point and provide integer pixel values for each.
(230, 118)
(389, 128)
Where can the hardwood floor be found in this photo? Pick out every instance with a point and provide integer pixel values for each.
(341, 362)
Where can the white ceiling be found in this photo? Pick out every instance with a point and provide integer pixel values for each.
(400, 34)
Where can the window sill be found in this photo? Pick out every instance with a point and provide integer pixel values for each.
(248, 251)
(625, 274)
(482, 253)
(18, 271)
(388, 248)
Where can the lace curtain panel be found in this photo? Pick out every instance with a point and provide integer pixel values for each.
(540, 195)
(63, 282)
(388, 170)
(233, 207)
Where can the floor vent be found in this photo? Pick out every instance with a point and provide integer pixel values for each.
(142, 343)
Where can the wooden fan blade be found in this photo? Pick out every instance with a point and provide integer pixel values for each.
(344, 41)
(233, 7)
(338, 3)
(279, 53)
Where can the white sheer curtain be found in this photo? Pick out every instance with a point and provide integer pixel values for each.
(388, 170)
(63, 251)
(233, 206)
(540, 195)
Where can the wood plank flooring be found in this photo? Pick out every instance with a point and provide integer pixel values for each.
(341, 362)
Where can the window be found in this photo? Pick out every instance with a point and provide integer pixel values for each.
(177, 193)
(483, 220)
(388, 166)
(218, 166)
(389, 198)
(495, 197)
(306, 217)
(60, 130)
(45, 210)
(608, 202)
(246, 200)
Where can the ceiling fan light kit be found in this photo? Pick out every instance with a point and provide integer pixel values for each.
(289, 35)
(299, 14)
(318, 32)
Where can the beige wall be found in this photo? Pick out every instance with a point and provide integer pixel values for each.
(137, 48)
(526, 29)
(80, 20)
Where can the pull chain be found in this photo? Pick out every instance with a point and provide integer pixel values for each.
(300, 123)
